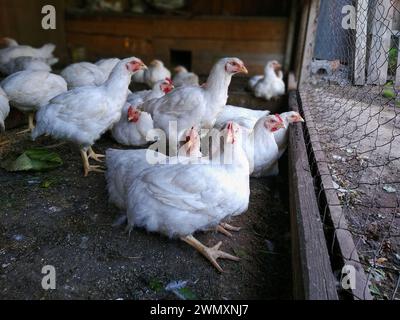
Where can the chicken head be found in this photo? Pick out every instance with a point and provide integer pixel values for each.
(167, 86)
(135, 65)
(133, 114)
(274, 123)
(235, 65)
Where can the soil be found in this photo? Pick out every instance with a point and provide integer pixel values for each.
(62, 219)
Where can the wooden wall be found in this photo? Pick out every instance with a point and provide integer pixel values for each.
(222, 7)
(254, 40)
(21, 20)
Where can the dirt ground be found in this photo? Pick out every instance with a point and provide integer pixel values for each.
(359, 130)
(62, 219)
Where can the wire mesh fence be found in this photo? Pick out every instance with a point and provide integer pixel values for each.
(351, 103)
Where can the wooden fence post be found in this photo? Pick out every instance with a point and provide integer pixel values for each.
(380, 42)
(360, 52)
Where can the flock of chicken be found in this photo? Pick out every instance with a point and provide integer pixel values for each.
(196, 186)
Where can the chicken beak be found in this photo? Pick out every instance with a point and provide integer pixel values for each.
(243, 69)
(143, 66)
(300, 119)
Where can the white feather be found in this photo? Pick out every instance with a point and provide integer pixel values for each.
(28, 90)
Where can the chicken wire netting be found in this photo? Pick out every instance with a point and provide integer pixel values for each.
(351, 104)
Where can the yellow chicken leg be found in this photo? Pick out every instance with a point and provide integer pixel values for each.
(95, 156)
(229, 227)
(224, 227)
(86, 166)
(31, 124)
(212, 254)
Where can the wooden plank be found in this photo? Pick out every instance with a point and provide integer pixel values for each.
(344, 239)
(98, 46)
(22, 20)
(380, 43)
(290, 35)
(309, 43)
(312, 272)
(302, 37)
(397, 79)
(204, 52)
(267, 29)
(360, 54)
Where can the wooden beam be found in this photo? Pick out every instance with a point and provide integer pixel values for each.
(290, 36)
(313, 277)
(256, 29)
(312, 9)
(380, 42)
(360, 54)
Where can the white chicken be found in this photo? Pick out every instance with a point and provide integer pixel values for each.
(4, 108)
(178, 200)
(260, 146)
(138, 77)
(83, 114)
(27, 63)
(132, 128)
(15, 51)
(185, 78)
(83, 74)
(123, 166)
(270, 85)
(195, 106)
(28, 91)
(160, 89)
(282, 136)
(156, 72)
(8, 42)
(107, 65)
(244, 117)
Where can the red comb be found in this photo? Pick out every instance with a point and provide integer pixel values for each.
(169, 80)
(279, 117)
(131, 109)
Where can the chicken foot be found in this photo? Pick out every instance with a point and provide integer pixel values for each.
(31, 124)
(224, 228)
(95, 156)
(229, 227)
(86, 166)
(212, 254)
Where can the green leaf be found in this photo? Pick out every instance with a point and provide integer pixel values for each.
(187, 294)
(34, 160)
(389, 93)
(375, 290)
(156, 285)
(46, 184)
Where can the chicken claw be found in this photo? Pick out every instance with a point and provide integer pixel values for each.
(87, 167)
(212, 254)
(224, 227)
(229, 227)
(95, 156)
(222, 230)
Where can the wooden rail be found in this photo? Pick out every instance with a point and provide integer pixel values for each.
(312, 272)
